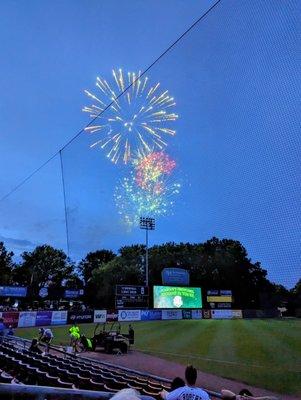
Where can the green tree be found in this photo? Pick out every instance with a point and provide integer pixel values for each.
(92, 261)
(6, 265)
(107, 276)
(44, 266)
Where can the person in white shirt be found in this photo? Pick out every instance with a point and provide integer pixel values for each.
(46, 335)
(189, 391)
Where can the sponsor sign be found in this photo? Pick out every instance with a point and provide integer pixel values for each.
(27, 318)
(129, 315)
(80, 317)
(151, 315)
(59, 317)
(131, 290)
(206, 314)
(171, 314)
(112, 315)
(186, 314)
(100, 315)
(72, 294)
(223, 305)
(10, 318)
(43, 292)
(225, 292)
(226, 314)
(196, 314)
(43, 318)
(13, 291)
(219, 299)
(237, 314)
(212, 292)
(175, 276)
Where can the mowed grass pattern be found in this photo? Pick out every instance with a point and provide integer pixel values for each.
(263, 353)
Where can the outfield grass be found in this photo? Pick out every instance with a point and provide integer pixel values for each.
(263, 353)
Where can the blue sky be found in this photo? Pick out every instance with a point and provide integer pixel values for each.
(237, 146)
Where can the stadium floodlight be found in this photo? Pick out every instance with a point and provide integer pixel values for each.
(148, 224)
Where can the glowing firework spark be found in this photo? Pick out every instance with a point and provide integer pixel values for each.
(137, 122)
(150, 170)
(133, 201)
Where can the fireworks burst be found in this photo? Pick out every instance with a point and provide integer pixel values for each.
(151, 169)
(132, 201)
(137, 122)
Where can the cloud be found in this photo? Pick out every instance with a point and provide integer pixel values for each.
(17, 244)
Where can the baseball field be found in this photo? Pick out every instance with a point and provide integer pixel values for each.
(263, 353)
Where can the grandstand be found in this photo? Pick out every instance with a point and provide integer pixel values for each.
(19, 366)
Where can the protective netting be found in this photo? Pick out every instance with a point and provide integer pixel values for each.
(235, 152)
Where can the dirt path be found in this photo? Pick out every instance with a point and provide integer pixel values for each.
(168, 369)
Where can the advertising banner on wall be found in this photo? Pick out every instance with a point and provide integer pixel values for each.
(13, 291)
(206, 314)
(43, 318)
(171, 314)
(112, 315)
(100, 315)
(129, 315)
(80, 317)
(226, 314)
(10, 318)
(196, 314)
(151, 315)
(27, 318)
(237, 314)
(186, 314)
(59, 317)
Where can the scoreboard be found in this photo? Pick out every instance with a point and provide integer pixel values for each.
(131, 296)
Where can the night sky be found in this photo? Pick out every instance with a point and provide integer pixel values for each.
(234, 78)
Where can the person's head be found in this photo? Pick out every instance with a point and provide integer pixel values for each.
(126, 394)
(41, 331)
(245, 392)
(177, 383)
(190, 375)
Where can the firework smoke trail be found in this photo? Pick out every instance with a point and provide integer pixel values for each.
(136, 123)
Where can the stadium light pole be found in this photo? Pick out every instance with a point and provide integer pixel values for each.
(148, 224)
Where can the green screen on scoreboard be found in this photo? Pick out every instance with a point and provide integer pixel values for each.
(177, 297)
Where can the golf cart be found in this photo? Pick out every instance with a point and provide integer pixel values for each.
(110, 338)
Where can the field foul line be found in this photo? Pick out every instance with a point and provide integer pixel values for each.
(218, 361)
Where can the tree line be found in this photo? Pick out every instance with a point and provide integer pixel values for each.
(214, 264)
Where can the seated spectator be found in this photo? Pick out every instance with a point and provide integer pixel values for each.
(244, 394)
(126, 394)
(34, 347)
(2, 329)
(10, 331)
(189, 390)
(175, 384)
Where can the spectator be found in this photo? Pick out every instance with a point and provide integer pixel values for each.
(45, 335)
(189, 390)
(175, 384)
(2, 329)
(34, 347)
(10, 331)
(126, 394)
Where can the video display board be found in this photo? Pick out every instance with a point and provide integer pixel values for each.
(177, 297)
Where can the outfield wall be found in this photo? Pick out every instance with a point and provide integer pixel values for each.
(45, 318)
